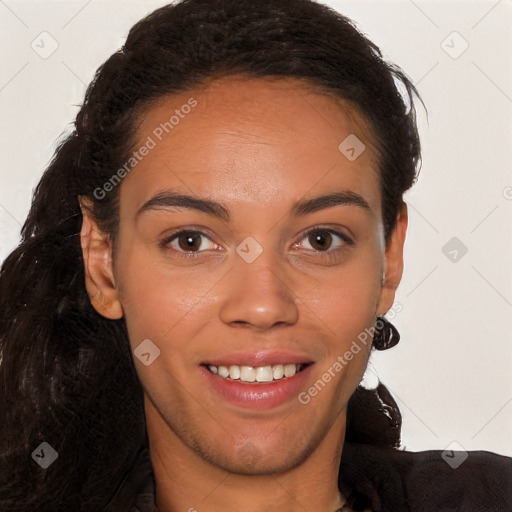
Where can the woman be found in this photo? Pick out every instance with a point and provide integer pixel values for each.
(204, 271)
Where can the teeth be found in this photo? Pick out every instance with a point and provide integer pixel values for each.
(278, 372)
(223, 371)
(289, 370)
(247, 374)
(258, 373)
(234, 371)
(264, 374)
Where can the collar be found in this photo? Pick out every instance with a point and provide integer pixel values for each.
(382, 479)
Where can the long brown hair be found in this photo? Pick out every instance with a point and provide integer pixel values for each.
(67, 375)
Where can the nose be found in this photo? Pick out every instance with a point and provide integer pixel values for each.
(257, 296)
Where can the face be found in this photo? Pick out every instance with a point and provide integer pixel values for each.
(249, 244)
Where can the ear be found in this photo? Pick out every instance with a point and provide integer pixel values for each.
(394, 263)
(99, 276)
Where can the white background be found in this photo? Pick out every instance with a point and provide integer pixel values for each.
(452, 371)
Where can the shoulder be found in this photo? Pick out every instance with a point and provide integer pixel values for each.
(428, 481)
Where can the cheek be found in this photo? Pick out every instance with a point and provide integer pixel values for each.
(168, 308)
(165, 302)
(348, 297)
(159, 300)
(346, 304)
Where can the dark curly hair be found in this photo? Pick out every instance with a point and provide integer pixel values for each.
(67, 375)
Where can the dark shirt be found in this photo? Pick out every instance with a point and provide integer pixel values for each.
(391, 480)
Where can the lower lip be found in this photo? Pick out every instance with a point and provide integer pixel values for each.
(258, 396)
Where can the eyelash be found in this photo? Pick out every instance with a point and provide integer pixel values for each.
(328, 254)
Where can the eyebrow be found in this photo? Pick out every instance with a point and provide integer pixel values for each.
(171, 199)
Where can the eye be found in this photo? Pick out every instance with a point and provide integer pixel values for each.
(188, 241)
(323, 240)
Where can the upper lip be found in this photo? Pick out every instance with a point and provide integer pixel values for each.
(259, 358)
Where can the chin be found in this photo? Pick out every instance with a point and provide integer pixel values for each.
(253, 459)
(264, 466)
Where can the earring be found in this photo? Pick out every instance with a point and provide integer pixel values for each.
(385, 335)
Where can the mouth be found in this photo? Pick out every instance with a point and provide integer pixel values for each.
(258, 374)
(258, 381)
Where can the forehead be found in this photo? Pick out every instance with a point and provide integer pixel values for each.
(251, 141)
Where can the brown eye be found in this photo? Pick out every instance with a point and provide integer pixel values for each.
(320, 240)
(189, 241)
(323, 240)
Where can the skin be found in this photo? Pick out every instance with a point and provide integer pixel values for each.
(257, 146)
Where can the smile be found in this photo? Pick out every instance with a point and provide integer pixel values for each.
(256, 373)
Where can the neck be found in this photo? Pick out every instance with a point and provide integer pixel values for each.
(185, 481)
